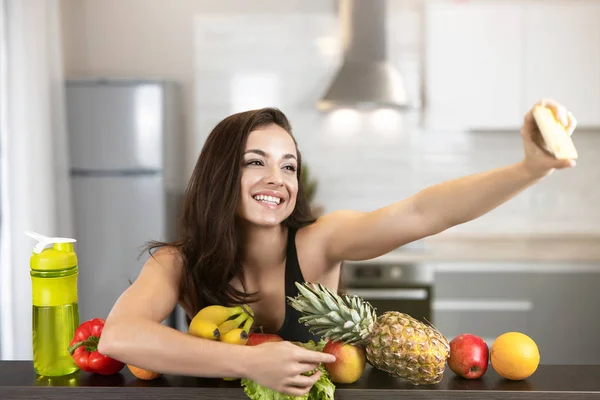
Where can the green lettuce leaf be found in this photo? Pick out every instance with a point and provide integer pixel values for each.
(310, 345)
(323, 389)
(255, 391)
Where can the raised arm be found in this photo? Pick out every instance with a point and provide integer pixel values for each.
(351, 235)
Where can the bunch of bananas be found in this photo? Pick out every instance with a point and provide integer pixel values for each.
(226, 324)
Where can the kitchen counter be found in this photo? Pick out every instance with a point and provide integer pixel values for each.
(551, 382)
(453, 247)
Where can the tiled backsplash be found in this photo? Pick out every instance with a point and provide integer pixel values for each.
(367, 161)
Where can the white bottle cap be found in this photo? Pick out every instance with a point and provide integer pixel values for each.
(46, 241)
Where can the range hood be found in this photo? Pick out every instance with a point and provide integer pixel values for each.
(366, 79)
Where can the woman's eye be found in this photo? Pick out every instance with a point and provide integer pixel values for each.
(291, 168)
(254, 162)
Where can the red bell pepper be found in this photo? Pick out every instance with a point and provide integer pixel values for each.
(84, 349)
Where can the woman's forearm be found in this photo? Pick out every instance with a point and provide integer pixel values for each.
(461, 200)
(160, 348)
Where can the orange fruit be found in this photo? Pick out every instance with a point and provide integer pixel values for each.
(514, 356)
(143, 374)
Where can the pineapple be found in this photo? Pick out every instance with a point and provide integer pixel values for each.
(394, 342)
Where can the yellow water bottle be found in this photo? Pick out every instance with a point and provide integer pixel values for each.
(54, 272)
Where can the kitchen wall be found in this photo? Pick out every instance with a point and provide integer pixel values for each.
(233, 55)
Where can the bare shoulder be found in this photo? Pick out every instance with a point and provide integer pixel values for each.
(167, 258)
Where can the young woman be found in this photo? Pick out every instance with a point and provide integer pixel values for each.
(247, 234)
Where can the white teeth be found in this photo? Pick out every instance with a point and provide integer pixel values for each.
(268, 199)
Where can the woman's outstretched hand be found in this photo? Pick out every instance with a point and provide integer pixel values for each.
(280, 366)
(537, 159)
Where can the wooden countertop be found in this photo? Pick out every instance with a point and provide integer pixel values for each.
(518, 248)
(552, 382)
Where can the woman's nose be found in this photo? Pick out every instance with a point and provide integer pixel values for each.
(274, 177)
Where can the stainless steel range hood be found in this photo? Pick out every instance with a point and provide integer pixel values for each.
(366, 79)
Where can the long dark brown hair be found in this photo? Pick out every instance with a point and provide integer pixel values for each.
(207, 236)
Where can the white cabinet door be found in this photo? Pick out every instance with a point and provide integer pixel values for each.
(474, 65)
(562, 55)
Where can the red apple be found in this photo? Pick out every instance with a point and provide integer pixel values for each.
(349, 363)
(258, 338)
(469, 356)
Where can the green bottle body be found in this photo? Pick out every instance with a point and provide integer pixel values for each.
(55, 317)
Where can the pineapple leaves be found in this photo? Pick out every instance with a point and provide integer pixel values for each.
(355, 305)
(355, 315)
(303, 307)
(312, 299)
(330, 302)
(337, 317)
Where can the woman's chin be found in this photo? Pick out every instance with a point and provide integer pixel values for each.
(270, 221)
(266, 223)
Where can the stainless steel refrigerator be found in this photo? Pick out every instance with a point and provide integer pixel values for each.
(125, 158)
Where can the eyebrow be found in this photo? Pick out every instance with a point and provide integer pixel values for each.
(262, 153)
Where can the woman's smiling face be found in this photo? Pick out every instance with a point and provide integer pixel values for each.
(269, 182)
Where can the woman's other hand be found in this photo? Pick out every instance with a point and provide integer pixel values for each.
(280, 366)
(537, 159)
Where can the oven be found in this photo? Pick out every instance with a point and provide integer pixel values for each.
(391, 286)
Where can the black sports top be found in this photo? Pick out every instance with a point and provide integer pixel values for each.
(292, 330)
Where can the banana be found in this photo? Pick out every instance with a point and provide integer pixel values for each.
(215, 321)
(238, 335)
(248, 325)
(248, 309)
(217, 314)
(235, 336)
(204, 329)
(233, 323)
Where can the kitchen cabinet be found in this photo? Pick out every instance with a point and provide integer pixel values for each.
(487, 62)
(468, 298)
(564, 321)
(561, 56)
(554, 303)
(473, 58)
